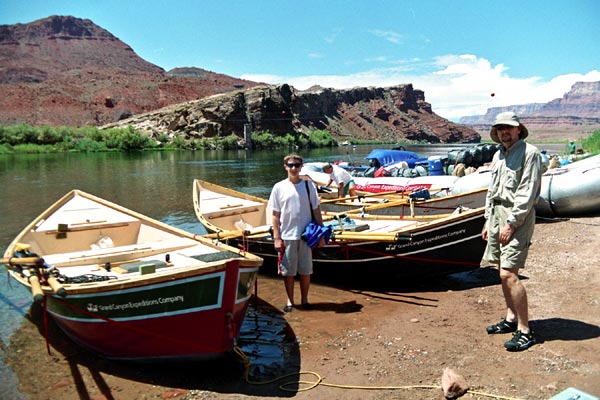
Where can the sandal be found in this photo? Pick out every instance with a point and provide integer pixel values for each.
(520, 341)
(503, 326)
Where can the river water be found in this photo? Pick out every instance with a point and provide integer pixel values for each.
(157, 184)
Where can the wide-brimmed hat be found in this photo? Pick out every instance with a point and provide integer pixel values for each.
(507, 118)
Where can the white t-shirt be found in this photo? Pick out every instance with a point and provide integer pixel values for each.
(340, 175)
(292, 201)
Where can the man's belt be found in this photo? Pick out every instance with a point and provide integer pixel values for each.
(507, 204)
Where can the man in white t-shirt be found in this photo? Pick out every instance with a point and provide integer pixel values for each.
(342, 179)
(292, 212)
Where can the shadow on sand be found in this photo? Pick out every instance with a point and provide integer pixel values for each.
(551, 329)
(266, 340)
(389, 283)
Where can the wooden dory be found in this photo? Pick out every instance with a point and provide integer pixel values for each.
(441, 244)
(129, 287)
(419, 203)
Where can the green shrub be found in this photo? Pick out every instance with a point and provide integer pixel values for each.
(6, 149)
(88, 145)
(321, 138)
(127, 139)
(592, 143)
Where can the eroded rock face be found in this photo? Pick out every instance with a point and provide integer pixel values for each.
(394, 113)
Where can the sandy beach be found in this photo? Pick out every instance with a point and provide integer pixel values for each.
(368, 338)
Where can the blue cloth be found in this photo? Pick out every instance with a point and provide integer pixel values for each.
(314, 232)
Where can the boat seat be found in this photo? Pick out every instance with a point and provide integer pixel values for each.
(118, 253)
(233, 210)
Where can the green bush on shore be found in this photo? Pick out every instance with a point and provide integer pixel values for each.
(592, 143)
(23, 138)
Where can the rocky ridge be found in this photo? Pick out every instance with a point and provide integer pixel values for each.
(395, 113)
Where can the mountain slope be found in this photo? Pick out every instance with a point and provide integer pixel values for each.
(64, 70)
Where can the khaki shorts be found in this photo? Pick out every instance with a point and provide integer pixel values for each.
(297, 259)
(514, 253)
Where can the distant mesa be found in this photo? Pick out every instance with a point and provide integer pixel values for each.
(577, 111)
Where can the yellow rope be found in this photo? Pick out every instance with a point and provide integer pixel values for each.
(319, 382)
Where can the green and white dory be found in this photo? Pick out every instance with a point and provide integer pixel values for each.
(126, 286)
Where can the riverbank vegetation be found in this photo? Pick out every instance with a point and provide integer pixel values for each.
(592, 143)
(23, 138)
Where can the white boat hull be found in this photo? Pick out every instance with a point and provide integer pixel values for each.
(571, 191)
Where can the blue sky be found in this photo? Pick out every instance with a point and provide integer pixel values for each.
(458, 52)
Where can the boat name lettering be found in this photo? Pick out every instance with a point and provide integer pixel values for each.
(131, 305)
(397, 246)
(381, 187)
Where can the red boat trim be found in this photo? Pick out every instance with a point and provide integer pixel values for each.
(125, 325)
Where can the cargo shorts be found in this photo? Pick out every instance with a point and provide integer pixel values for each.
(514, 253)
(297, 259)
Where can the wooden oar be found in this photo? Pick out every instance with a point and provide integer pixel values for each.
(34, 281)
(56, 286)
(11, 261)
(224, 235)
(367, 208)
(363, 195)
(390, 237)
(36, 288)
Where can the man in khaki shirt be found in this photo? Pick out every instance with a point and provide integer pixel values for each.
(510, 220)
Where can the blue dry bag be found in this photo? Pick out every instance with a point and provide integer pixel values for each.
(313, 233)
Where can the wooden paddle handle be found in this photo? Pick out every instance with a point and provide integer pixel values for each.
(56, 286)
(36, 288)
(22, 261)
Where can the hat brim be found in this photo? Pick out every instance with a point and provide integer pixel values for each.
(494, 133)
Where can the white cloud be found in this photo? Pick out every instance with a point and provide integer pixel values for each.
(390, 36)
(455, 85)
(378, 59)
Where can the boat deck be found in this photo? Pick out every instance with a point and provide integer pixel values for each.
(135, 260)
(85, 237)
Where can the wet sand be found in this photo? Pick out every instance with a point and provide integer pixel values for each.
(368, 333)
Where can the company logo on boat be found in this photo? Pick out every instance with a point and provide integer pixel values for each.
(382, 187)
(91, 307)
(425, 241)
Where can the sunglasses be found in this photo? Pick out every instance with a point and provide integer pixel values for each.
(294, 165)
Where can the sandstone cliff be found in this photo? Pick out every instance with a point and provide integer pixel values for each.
(394, 114)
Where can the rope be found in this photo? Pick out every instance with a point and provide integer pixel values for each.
(46, 336)
(85, 278)
(319, 382)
